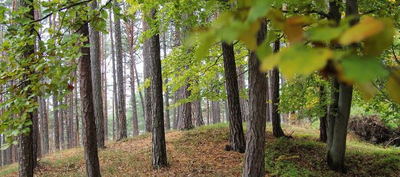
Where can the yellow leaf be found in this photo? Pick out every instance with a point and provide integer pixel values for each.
(270, 61)
(365, 28)
(277, 18)
(393, 86)
(367, 90)
(375, 45)
(249, 37)
(293, 28)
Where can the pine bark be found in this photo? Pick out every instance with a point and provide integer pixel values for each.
(166, 95)
(27, 159)
(135, 125)
(237, 141)
(45, 126)
(158, 133)
(198, 114)
(146, 70)
(216, 111)
(244, 108)
(56, 123)
(122, 132)
(96, 80)
(88, 117)
(115, 96)
(254, 164)
(71, 120)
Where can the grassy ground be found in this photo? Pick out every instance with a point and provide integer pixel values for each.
(200, 152)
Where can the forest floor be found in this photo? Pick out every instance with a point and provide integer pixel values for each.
(200, 152)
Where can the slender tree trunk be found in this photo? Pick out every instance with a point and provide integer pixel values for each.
(27, 144)
(146, 70)
(243, 102)
(122, 132)
(323, 120)
(198, 115)
(237, 141)
(71, 120)
(45, 127)
(254, 164)
(88, 116)
(216, 111)
(135, 124)
(175, 116)
(62, 118)
(140, 93)
(274, 81)
(158, 133)
(337, 148)
(166, 95)
(208, 112)
(105, 111)
(76, 113)
(56, 123)
(96, 80)
(115, 96)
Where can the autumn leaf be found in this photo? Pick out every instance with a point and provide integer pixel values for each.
(393, 86)
(366, 28)
(375, 45)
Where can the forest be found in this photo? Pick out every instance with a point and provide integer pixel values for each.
(199, 88)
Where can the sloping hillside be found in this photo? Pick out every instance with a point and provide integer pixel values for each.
(200, 152)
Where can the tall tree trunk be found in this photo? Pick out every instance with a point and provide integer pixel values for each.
(105, 111)
(27, 144)
(244, 108)
(198, 115)
(71, 120)
(140, 93)
(166, 95)
(76, 113)
(185, 110)
(158, 133)
(62, 111)
(56, 123)
(175, 116)
(216, 111)
(135, 124)
(208, 112)
(337, 148)
(274, 83)
(237, 141)
(146, 70)
(96, 80)
(254, 164)
(122, 132)
(333, 107)
(88, 117)
(322, 120)
(45, 126)
(115, 96)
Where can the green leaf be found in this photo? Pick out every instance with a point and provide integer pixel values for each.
(298, 60)
(362, 70)
(259, 9)
(393, 86)
(324, 34)
(375, 45)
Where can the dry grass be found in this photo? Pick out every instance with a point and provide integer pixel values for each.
(200, 152)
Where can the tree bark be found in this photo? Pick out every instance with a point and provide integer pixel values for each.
(244, 108)
(274, 81)
(146, 70)
(71, 120)
(56, 123)
(45, 127)
(122, 132)
(237, 141)
(337, 149)
(166, 95)
(158, 133)
(323, 119)
(198, 115)
(115, 96)
(254, 164)
(88, 116)
(185, 110)
(27, 144)
(96, 80)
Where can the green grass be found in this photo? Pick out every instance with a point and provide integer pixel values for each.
(199, 152)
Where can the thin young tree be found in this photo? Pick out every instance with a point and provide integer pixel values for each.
(96, 80)
(122, 132)
(115, 95)
(146, 72)
(274, 87)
